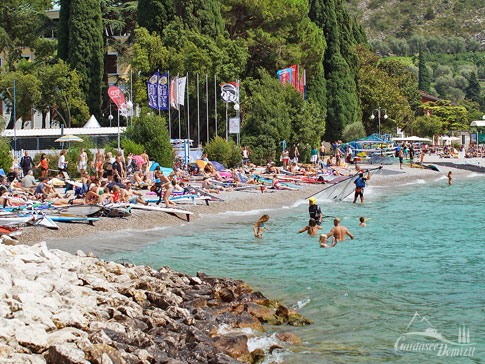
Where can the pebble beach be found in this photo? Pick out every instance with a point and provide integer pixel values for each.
(72, 307)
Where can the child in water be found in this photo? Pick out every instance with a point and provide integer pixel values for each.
(259, 227)
(312, 227)
(362, 221)
(449, 178)
(323, 241)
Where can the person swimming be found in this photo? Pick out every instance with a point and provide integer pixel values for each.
(362, 221)
(312, 227)
(259, 227)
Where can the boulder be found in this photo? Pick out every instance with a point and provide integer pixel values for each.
(32, 337)
(288, 337)
(65, 354)
(262, 313)
(103, 354)
(257, 356)
(246, 320)
(234, 345)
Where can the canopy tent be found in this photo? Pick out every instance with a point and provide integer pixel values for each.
(92, 123)
(413, 139)
(478, 123)
(69, 138)
(372, 144)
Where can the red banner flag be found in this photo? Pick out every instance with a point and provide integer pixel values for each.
(119, 99)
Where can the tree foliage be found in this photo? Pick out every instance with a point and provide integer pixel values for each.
(151, 132)
(82, 29)
(427, 125)
(424, 78)
(451, 117)
(225, 152)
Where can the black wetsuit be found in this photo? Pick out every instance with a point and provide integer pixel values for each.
(315, 212)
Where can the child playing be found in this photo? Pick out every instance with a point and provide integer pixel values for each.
(259, 227)
(362, 221)
(449, 178)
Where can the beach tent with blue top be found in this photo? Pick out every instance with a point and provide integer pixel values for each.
(372, 144)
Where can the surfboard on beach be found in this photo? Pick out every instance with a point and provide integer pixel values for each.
(169, 210)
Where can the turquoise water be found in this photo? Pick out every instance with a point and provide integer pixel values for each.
(422, 251)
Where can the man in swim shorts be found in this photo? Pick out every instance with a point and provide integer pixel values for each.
(360, 185)
(338, 232)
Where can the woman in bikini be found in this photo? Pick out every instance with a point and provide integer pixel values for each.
(259, 227)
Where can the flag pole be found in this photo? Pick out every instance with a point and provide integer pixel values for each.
(198, 115)
(227, 135)
(188, 110)
(169, 107)
(207, 104)
(215, 99)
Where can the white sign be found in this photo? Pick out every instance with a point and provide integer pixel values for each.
(229, 92)
(234, 125)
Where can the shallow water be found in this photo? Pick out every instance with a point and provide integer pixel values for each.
(422, 251)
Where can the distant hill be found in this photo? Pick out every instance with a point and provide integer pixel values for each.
(405, 18)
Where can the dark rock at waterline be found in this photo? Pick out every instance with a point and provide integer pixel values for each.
(235, 346)
(257, 356)
(288, 337)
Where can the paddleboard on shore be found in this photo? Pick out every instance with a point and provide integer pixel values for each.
(81, 210)
(159, 208)
(72, 218)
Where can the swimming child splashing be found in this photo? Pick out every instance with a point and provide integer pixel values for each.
(259, 227)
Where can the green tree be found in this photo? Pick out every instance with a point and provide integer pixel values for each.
(353, 131)
(427, 126)
(151, 131)
(155, 15)
(223, 151)
(473, 89)
(424, 78)
(5, 156)
(84, 47)
(268, 120)
(452, 117)
(21, 24)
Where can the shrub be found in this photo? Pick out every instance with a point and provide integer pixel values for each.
(5, 156)
(150, 132)
(131, 147)
(353, 131)
(262, 148)
(427, 126)
(223, 151)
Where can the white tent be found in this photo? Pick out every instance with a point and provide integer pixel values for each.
(92, 123)
(478, 123)
(412, 139)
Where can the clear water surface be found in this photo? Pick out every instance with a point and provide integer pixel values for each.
(422, 251)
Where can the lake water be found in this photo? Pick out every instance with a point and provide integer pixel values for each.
(422, 252)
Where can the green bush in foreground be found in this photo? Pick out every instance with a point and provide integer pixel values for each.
(222, 151)
(5, 156)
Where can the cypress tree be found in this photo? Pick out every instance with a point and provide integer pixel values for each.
(85, 49)
(339, 65)
(204, 15)
(155, 15)
(63, 30)
(424, 78)
(472, 92)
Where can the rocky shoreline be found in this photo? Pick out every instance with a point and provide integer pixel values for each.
(61, 308)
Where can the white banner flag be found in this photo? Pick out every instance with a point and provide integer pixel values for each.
(181, 90)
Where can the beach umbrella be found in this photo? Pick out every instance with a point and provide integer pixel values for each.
(69, 138)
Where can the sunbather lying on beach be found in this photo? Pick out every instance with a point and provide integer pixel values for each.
(278, 186)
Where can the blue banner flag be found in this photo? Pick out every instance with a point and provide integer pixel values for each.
(163, 91)
(152, 88)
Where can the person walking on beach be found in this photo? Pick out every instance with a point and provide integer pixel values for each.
(26, 163)
(82, 162)
(259, 227)
(285, 157)
(401, 157)
(44, 165)
(338, 232)
(322, 151)
(245, 155)
(312, 228)
(62, 164)
(314, 154)
(99, 161)
(315, 211)
(411, 156)
(449, 178)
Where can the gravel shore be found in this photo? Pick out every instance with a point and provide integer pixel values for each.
(391, 176)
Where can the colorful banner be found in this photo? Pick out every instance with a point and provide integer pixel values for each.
(163, 92)
(152, 89)
(173, 93)
(294, 75)
(119, 99)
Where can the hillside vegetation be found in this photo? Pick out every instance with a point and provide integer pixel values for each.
(405, 18)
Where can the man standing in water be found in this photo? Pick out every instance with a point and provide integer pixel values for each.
(314, 211)
(338, 232)
(360, 185)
